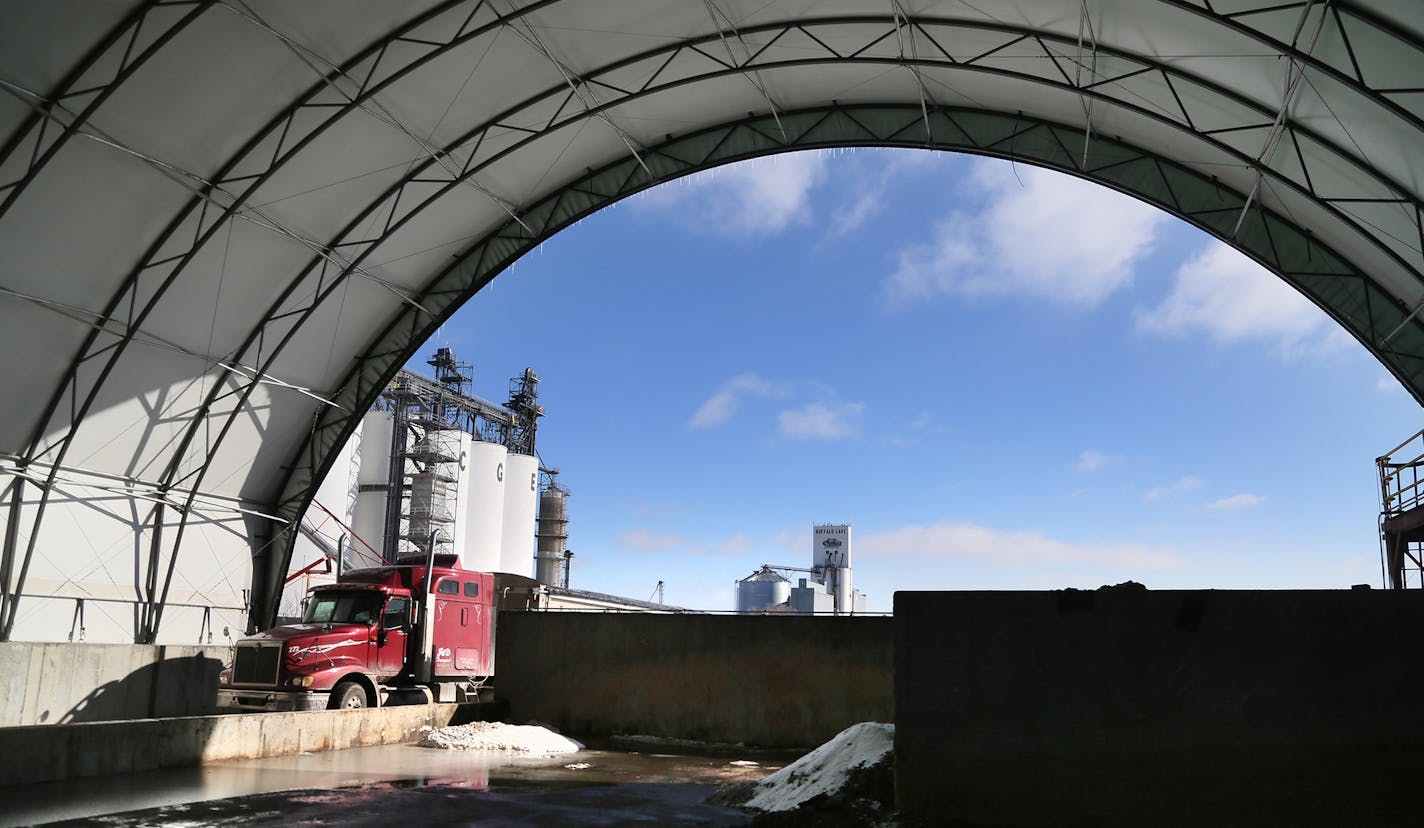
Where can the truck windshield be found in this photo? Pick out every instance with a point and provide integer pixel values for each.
(356, 607)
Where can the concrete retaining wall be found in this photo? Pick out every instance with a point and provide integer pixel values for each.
(1159, 708)
(44, 753)
(775, 680)
(54, 683)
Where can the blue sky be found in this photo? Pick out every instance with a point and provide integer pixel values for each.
(1002, 377)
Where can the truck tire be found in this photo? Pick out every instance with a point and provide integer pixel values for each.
(348, 695)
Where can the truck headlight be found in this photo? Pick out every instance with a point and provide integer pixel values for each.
(300, 681)
(225, 678)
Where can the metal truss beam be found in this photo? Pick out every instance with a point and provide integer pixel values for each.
(913, 63)
(53, 109)
(1085, 26)
(723, 24)
(473, 137)
(1339, 11)
(225, 198)
(1295, 74)
(160, 258)
(580, 89)
(1189, 194)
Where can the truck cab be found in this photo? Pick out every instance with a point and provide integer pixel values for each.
(360, 643)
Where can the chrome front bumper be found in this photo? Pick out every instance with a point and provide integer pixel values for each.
(269, 701)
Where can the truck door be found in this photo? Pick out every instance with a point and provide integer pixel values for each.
(447, 625)
(392, 638)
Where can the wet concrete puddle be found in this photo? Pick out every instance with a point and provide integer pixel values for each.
(608, 785)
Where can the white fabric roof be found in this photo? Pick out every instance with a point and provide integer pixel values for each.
(223, 224)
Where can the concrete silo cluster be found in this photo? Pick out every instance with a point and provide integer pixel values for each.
(826, 588)
(475, 497)
(432, 463)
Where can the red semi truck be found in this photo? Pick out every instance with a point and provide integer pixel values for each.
(363, 641)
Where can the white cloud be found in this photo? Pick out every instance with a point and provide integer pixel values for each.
(1053, 236)
(793, 540)
(735, 545)
(822, 420)
(1093, 460)
(1387, 384)
(1189, 483)
(1230, 298)
(642, 540)
(851, 216)
(720, 407)
(870, 175)
(763, 196)
(1231, 504)
(913, 433)
(1017, 549)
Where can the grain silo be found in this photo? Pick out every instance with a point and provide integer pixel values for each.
(763, 590)
(521, 496)
(483, 519)
(553, 535)
(369, 518)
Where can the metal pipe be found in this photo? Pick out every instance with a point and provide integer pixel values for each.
(425, 669)
(7, 555)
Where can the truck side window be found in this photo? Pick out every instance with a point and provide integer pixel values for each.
(472, 589)
(397, 614)
(449, 586)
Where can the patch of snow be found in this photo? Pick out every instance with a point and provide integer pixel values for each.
(498, 736)
(824, 770)
(579, 765)
(744, 763)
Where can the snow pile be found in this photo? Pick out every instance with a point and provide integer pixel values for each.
(827, 769)
(498, 736)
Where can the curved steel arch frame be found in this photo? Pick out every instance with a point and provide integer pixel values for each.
(1339, 288)
(1346, 291)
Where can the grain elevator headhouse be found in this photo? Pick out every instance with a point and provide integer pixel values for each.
(225, 225)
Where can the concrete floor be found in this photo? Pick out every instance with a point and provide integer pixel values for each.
(389, 784)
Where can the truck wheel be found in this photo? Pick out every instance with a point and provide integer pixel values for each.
(348, 695)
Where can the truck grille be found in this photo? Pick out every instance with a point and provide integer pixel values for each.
(257, 664)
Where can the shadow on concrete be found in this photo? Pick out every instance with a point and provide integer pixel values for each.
(185, 686)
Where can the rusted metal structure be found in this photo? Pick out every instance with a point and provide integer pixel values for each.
(1401, 474)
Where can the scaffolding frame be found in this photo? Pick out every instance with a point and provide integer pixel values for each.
(1401, 518)
(428, 415)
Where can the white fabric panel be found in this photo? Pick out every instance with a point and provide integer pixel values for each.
(76, 233)
(41, 42)
(429, 242)
(107, 538)
(195, 102)
(231, 283)
(40, 343)
(354, 158)
(338, 29)
(320, 350)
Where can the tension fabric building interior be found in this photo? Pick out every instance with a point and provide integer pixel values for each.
(224, 225)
